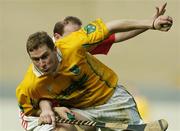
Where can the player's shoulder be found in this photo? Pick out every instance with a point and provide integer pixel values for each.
(27, 81)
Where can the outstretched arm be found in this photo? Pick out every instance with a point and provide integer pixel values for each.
(119, 37)
(128, 25)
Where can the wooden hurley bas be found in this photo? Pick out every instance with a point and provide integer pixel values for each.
(160, 125)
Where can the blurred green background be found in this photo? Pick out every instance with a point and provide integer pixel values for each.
(149, 63)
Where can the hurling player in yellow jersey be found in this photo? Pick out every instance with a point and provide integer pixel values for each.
(65, 72)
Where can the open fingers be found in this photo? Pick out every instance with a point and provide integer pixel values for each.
(157, 12)
(161, 10)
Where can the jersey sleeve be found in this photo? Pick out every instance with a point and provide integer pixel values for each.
(26, 104)
(30, 123)
(95, 31)
(104, 46)
(85, 38)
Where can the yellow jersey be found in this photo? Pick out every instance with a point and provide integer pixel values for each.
(80, 81)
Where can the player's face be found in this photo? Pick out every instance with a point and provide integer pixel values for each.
(44, 59)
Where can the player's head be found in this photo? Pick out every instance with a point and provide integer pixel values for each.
(73, 20)
(42, 52)
(65, 27)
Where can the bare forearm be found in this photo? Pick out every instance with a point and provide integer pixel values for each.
(44, 105)
(128, 25)
(122, 36)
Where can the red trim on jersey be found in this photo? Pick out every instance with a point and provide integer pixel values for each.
(24, 123)
(104, 47)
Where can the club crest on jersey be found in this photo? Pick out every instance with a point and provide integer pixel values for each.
(90, 28)
(75, 69)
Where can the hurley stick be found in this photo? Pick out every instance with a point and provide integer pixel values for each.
(160, 125)
(91, 123)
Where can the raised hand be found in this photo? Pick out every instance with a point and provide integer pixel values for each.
(163, 23)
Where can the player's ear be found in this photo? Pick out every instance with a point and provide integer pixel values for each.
(57, 36)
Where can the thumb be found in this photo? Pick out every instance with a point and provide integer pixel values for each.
(157, 13)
